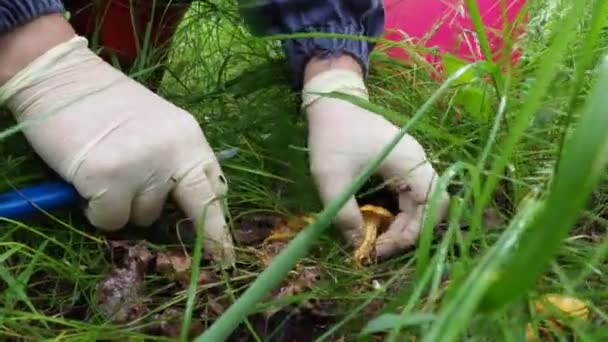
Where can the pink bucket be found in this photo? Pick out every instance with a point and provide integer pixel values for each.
(446, 26)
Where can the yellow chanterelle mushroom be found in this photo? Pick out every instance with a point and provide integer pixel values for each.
(376, 219)
(552, 305)
(570, 306)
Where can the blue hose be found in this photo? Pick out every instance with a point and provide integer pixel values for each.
(30, 200)
(27, 201)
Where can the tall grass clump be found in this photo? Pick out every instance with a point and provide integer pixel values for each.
(502, 272)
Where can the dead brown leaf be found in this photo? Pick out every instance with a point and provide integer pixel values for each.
(177, 265)
(173, 262)
(113, 244)
(204, 278)
(492, 218)
(374, 307)
(215, 307)
(302, 278)
(170, 324)
(255, 228)
(280, 236)
(140, 254)
(119, 294)
(124, 251)
(120, 298)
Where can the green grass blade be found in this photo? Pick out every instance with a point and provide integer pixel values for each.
(484, 43)
(455, 315)
(482, 37)
(432, 274)
(24, 277)
(423, 249)
(479, 29)
(15, 287)
(587, 54)
(194, 272)
(386, 322)
(4, 256)
(579, 171)
(545, 74)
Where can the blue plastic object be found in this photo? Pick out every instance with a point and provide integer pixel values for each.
(30, 200)
(49, 196)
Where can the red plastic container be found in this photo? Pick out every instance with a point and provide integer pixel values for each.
(446, 25)
(120, 28)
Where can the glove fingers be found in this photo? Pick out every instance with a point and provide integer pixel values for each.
(414, 179)
(111, 210)
(349, 219)
(147, 207)
(405, 229)
(194, 193)
(401, 234)
(218, 241)
(408, 169)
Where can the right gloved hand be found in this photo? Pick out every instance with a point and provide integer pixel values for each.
(124, 148)
(343, 138)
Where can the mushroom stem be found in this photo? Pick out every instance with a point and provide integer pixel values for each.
(374, 218)
(370, 228)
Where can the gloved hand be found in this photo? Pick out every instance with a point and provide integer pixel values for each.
(343, 138)
(124, 148)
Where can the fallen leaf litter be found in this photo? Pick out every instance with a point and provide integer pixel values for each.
(121, 296)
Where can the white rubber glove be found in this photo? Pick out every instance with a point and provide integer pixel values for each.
(124, 148)
(343, 138)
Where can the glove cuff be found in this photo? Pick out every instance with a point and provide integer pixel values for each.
(37, 68)
(337, 80)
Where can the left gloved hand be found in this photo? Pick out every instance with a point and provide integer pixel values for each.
(343, 138)
(125, 149)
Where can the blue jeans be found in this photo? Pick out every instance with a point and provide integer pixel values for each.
(270, 17)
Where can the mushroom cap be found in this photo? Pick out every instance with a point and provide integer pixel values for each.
(568, 305)
(375, 212)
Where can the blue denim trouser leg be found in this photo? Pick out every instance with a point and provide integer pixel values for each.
(349, 17)
(17, 12)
